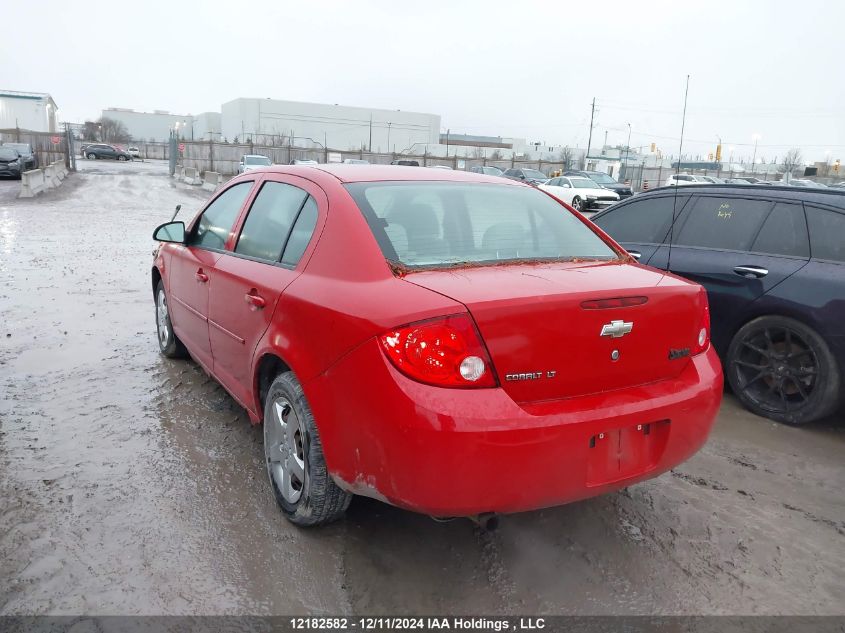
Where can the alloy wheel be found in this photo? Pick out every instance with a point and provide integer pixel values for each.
(776, 369)
(284, 450)
(162, 319)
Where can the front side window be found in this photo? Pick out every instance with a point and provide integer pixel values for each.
(439, 224)
(216, 222)
(582, 183)
(827, 234)
(533, 173)
(270, 219)
(723, 223)
(643, 221)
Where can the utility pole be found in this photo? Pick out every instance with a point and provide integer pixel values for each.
(590, 138)
(627, 147)
(370, 146)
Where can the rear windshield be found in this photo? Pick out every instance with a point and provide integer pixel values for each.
(441, 224)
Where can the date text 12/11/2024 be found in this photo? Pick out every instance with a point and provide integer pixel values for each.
(419, 624)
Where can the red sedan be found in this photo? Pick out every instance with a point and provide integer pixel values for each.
(451, 343)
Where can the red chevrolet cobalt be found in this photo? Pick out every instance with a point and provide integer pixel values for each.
(451, 343)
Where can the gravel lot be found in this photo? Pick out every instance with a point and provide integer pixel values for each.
(133, 484)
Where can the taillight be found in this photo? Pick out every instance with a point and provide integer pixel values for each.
(446, 352)
(702, 334)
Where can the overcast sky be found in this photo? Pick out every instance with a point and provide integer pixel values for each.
(525, 69)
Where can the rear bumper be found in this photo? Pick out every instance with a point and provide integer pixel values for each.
(453, 452)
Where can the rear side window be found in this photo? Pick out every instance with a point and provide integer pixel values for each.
(645, 221)
(446, 224)
(216, 222)
(827, 234)
(270, 219)
(723, 223)
(301, 233)
(784, 232)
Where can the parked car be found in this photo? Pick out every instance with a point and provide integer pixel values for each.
(488, 170)
(737, 181)
(552, 368)
(249, 162)
(604, 180)
(29, 159)
(104, 151)
(713, 180)
(11, 164)
(134, 152)
(777, 290)
(531, 176)
(439, 167)
(803, 182)
(355, 161)
(683, 180)
(303, 161)
(406, 162)
(582, 194)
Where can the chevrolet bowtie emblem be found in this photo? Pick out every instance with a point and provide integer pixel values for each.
(616, 329)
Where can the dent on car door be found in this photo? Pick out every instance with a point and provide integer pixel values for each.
(250, 279)
(739, 249)
(642, 225)
(191, 269)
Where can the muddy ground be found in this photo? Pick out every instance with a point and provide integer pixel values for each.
(130, 483)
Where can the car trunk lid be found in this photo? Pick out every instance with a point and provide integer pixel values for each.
(551, 335)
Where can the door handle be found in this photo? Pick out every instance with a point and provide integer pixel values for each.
(752, 272)
(635, 254)
(254, 299)
(201, 276)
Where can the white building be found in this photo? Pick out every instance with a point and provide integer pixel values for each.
(338, 127)
(207, 127)
(153, 126)
(34, 111)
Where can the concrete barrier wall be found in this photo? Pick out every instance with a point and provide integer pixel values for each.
(32, 183)
(211, 180)
(192, 176)
(35, 181)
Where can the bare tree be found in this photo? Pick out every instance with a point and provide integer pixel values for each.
(496, 155)
(112, 131)
(478, 152)
(566, 157)
(90, 131)
(792, 161)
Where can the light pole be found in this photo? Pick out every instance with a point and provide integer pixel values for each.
(388, 135)
(756, 138)
(627, 147)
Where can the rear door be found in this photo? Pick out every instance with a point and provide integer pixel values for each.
(191, 267)
(249, 279)
(739, 249)
(642, 224)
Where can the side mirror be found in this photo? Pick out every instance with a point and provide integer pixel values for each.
(170, 232)
(567, 186)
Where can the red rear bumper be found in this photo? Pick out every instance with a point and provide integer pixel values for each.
(453, 452)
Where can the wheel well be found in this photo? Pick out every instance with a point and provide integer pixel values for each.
(269, 367)
(156, 278)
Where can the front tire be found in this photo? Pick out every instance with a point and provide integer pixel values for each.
(577, 204)
(92, 156)
(168, 343)
(783, 370)
(293, 454)
(121, 158)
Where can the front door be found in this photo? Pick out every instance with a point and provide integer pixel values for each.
(191, 269)
(250, 279)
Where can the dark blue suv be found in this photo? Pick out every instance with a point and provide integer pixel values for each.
(773, 262)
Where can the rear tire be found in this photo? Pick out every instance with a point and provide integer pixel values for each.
(293, 453)
(783, 370)
(168, 343)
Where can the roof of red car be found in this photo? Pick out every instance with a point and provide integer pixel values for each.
(374, 173)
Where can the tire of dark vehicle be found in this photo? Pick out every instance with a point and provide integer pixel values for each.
(121, 158)
(783, 370)
(577, 204)
(168, 343)
(293, 454)
(92, 156)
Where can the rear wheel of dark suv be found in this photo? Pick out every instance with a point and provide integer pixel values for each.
(783, 370)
